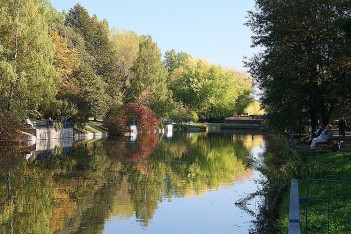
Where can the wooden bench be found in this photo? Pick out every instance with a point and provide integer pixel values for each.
(334, 145)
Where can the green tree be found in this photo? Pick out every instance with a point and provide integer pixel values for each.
(345, 25)
(302, 65)
(173, 60)
(148, 85)
(26, 56)
(97, 43)
(90, 97)
(209, 89)
(76, 42)
(126, 48)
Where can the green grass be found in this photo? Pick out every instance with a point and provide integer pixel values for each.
(282, 163)
(95, 128)
(323, 197)
(214, 124)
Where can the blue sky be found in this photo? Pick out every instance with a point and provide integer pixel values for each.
(207, 29)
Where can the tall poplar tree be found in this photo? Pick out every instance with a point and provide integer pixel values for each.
(126, 48)
(148, 84)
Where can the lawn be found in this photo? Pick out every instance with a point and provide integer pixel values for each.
(325, 180)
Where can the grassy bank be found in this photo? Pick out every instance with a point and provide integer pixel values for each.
(326, 201)
(95, 128)
(91, 126)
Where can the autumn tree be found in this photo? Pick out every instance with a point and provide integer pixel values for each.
(119, 118)
(126, 47)
(66, 61)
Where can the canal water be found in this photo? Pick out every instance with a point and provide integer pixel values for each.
(180, 183)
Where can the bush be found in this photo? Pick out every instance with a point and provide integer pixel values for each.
(119, 118)
(182, 113)
(145, 117)
(9, 127)
(115, 120)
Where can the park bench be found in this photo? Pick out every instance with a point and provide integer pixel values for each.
(334, 145)
(27, 126)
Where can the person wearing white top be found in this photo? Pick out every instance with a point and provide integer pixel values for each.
(28, 122)
(324, 137)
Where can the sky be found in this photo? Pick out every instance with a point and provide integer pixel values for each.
(208, 29)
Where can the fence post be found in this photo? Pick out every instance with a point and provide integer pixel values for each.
(294, 212)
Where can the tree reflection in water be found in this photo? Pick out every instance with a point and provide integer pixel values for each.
(114, 178)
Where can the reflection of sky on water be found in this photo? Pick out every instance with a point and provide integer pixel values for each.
(211, 212)
(257, 153)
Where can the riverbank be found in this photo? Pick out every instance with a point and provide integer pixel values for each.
(326, 201)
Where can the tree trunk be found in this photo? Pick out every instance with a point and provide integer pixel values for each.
(9, 193)
(12, 87)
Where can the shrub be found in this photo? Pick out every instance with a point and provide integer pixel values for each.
(9, 127)
(182, 113)
(119, 118)
(145, 117)
(115, 120)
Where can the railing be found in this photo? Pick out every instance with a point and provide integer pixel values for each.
(327, 207)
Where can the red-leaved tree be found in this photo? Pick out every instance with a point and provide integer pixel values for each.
(119, 118)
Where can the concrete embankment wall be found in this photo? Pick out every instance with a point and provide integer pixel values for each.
(90, 135)
(241, 123)
(51, 133)
(48, 133)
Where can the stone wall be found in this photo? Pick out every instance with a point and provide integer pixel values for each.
(50, 133)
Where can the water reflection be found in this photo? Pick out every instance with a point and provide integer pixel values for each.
(93, 186)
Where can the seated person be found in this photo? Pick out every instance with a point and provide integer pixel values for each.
(324, 137)
(317, 133)
(28, 122)
(49, 122)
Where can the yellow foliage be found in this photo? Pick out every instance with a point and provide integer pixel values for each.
(65, 59)
(255, 109)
